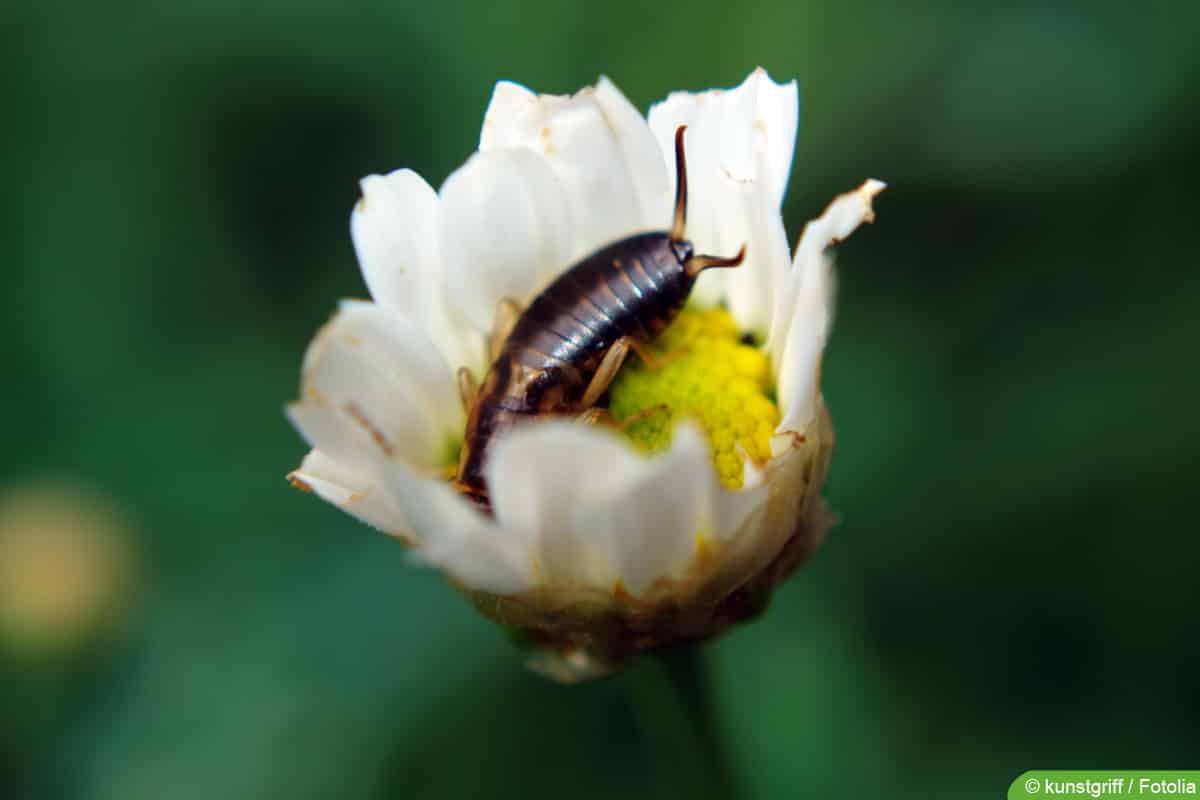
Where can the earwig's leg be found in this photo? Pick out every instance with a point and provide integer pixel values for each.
(468, 389)
(596, 414)
(648, 358)
(610, 365)
(645, 413)
(607, 371)
(593, 415)
(507, 312)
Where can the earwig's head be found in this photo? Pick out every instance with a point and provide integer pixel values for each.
(682, 249)
(680, 246)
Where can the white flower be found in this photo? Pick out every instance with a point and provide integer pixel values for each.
(585, 530)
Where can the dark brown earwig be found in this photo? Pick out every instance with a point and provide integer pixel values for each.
(560, 354)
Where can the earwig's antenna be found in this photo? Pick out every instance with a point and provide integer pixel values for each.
(676, 233)
(697, 264)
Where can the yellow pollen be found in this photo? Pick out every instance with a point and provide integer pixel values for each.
(707, 375)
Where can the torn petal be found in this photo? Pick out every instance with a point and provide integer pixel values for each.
(355, 494)
(809, 265)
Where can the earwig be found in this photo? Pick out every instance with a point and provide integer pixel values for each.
(562, 352)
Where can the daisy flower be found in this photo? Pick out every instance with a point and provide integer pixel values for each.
(602, 541)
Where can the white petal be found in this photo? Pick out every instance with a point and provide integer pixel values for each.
(739, 147)
(749, 217)
(395, 231)
(800, 359)
(598, 148)
(460, 541)
(761, 118)
(394, 228)
(597, 511)
(643, 158)
(803, 309)
(382, 372)
(505, 120)
(651, 518)
(839, 219)
(504, 231)
(534, 476)
(356, 494)
(423, 511)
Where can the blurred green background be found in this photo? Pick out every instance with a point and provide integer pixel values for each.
(1013, 374)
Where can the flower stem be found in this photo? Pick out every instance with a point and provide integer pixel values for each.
(673, 702)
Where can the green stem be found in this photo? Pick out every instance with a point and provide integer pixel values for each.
(674, 705)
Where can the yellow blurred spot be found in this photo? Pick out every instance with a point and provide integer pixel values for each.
(708, 375)
(65, 569)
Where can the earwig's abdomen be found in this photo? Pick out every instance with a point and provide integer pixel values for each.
(634, 287)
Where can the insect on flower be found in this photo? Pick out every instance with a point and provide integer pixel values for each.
(562, 353)
(531, 266)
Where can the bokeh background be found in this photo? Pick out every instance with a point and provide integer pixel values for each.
(1013, 378)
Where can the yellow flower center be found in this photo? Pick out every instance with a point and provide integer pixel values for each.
(709, 375)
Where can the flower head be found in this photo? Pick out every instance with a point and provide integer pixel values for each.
(601, 543)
